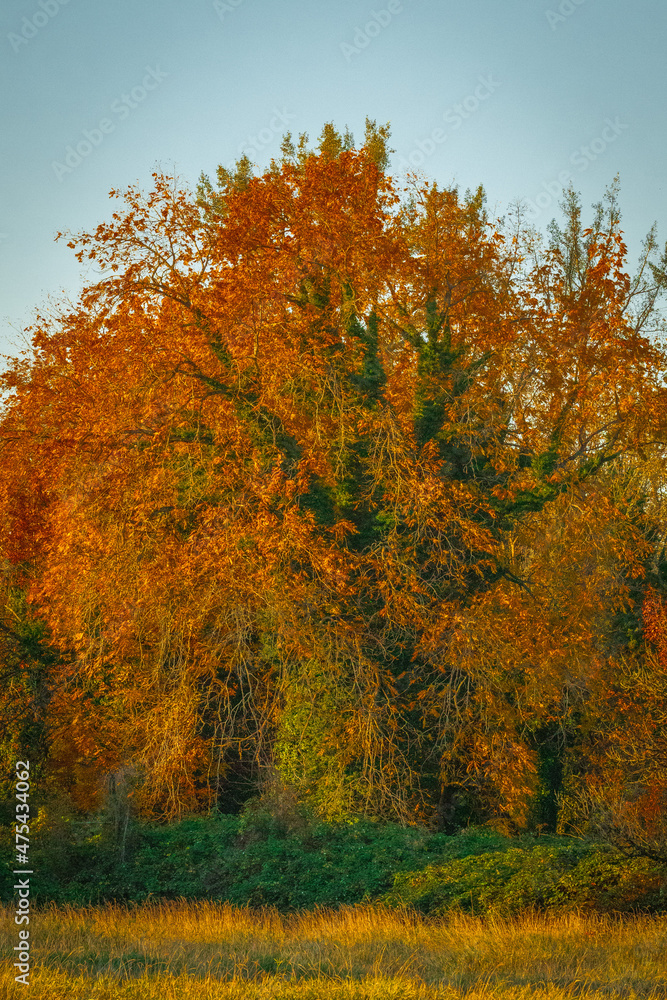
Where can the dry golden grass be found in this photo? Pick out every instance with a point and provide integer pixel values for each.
(205, 951)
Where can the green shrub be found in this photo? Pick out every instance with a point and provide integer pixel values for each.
(550, 876)
(291, 863)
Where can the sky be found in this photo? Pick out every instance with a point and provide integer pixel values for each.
(521, 96)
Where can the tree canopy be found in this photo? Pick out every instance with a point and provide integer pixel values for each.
(335, 479)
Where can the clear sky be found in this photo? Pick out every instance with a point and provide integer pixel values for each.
(513, 94)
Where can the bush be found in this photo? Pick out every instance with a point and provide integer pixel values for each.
(291, 863)
(548, 876)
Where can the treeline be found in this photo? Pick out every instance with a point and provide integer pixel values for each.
(340, 487)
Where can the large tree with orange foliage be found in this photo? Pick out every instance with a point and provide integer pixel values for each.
(333, 477)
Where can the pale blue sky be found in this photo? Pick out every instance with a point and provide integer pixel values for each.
(507, 93)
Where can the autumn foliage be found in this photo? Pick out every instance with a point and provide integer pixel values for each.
(338, 483)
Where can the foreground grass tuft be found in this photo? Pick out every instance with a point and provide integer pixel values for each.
(205, 950)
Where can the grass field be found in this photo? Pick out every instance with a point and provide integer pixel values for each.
(197, 951)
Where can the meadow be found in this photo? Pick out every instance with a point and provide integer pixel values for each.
(180, 950)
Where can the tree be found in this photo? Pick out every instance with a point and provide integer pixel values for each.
(311, 467)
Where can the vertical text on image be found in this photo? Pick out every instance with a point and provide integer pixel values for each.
(22, 885)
